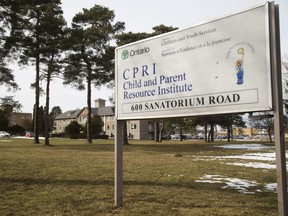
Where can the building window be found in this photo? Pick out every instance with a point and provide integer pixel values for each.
(108, 127)
(133, 126)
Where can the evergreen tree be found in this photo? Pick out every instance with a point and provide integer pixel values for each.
(86, 64)
(52, 51)
(7, 17)
(73, 128)
(96, 126)
(55, 111)
(7, 106)
(29, 38)
(4, 121)
(229, 121)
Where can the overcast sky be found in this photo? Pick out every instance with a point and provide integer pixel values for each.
(139, 16)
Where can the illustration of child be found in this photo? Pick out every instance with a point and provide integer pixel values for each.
(239, 67)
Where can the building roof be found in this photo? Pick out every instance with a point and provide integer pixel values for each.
(104, 111)
(71, 114)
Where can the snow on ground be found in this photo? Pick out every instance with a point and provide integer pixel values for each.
(265, 160)
(24, 137)
(271, 187)
(245, 146)
(262, 160)
(267, 156)
(254, 165)
(241, 185)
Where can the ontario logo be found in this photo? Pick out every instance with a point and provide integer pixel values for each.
(125, 54)
(134, 52)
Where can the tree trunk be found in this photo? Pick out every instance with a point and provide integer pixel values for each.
(161, 132)
(215, 131)
(231, 130)
(89, 115)
(205, 132)
(212, 132)
(228, 134)
(269, 134)
(47, 110)
(37, 96)
(156, 131)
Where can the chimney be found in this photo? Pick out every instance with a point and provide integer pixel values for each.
(99, 103)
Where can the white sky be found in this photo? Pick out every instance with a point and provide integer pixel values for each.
(139, 16)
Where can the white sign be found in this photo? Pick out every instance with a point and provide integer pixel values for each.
(222, 66)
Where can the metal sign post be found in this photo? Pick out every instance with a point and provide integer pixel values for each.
(119, 163)
(278, 114)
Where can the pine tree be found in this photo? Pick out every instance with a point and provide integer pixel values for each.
(86, 65)
(29, 38)
(7, 17)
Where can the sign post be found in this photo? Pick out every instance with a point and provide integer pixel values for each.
(118, 181)
(279, 128)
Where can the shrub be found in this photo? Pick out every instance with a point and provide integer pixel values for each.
(73, 129)
(17, 130)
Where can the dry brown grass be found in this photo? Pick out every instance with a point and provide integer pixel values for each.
(74, 178)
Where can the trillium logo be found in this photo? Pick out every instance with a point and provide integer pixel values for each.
(125, 54)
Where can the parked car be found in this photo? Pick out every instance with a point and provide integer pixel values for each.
(4, 134)
(166, 137)
(242, 137)
(29, 134)
(189, 137)
(177, 137)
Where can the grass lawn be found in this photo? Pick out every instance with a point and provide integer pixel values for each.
(75, 178)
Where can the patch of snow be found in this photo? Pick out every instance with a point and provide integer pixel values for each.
(271, 187)
(251, 156)
(253, 160)
(268, 156)
(254, 165)
(245, 146)
(240, 185)
(24, 137)
(211, 176)
(175, 176)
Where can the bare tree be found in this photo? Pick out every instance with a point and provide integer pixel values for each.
(263, 120)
